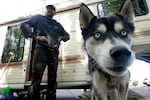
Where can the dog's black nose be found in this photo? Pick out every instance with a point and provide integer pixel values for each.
(120, 54)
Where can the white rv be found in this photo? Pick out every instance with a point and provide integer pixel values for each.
(16, 52)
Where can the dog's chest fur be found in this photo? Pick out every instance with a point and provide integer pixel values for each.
(104, 81)
(109, 89)
(109, 82)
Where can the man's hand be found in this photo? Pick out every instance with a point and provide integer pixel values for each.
(60, 38)
(41, 38)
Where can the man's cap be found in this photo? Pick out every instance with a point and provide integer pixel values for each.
(50, 7)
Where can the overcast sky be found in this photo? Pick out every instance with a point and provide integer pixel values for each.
(12, 9)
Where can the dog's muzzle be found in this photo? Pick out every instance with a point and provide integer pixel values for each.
(121, 57)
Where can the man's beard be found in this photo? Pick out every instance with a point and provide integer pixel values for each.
(49, 15)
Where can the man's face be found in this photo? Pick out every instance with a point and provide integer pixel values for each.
(50, 12)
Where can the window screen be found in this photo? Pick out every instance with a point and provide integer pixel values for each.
(111, 6)
(14, 44)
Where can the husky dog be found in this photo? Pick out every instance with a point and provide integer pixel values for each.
(107, 42)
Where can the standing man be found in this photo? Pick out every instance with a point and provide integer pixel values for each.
(48, 33)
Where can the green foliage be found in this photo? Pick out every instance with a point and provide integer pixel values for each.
(17, 33)
(14, 43)
(112, 7)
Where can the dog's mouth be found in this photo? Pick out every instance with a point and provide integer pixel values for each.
(118, 69)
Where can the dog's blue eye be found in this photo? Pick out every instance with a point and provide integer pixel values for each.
(123, 33)
(97, 35)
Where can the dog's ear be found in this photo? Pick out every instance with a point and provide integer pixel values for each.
(85, 16)
(126, 11)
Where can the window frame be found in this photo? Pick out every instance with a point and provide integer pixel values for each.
(14, 45)
(102, 2)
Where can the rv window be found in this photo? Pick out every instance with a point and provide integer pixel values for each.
(14, 45)
(111, 6)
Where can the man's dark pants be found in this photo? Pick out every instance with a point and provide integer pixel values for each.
(43, 57)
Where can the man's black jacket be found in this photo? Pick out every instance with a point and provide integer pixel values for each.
(44, 26)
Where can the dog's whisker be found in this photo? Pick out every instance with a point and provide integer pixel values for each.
(104, 58)
(94, 62)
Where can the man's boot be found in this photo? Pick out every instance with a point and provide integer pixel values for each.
(33, 94)
(51, 95)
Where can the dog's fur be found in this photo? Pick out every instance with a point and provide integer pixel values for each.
(107, 42)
